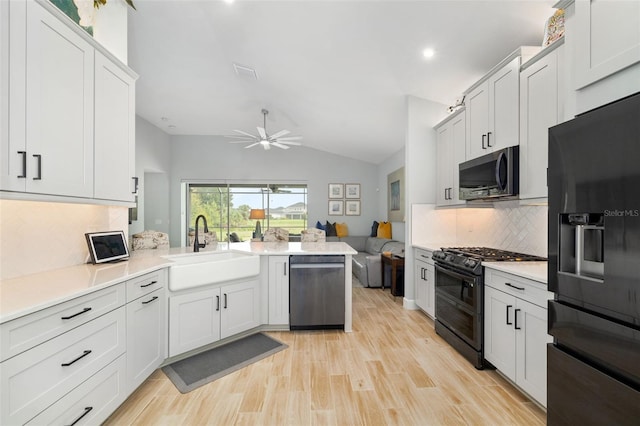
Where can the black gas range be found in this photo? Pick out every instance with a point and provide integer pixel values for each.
(459, 288)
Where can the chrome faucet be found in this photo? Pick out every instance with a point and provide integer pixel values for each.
(196, 244)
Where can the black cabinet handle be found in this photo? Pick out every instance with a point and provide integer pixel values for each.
(24, 164)
(225, 300)
(217, 303)
(85, 353)
(513, 286)
(75, 315)
(150, 300)
(508, 322)
(516, 319)
(135, 185)
(147, 285)
(488, 139)
(483, 136)
(86, 411)
(422, 270)
(39, 158)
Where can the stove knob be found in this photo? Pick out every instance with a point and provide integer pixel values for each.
(471, 263)
(449, 258)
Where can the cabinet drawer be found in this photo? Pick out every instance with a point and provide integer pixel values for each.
(145, 284)
(529, 290)
(26, 332)
(424, 255)
(35, 379)
(91, 402)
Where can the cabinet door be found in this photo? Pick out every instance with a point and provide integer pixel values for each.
(240, 308)
(146, 336)
(503, 106)
(421, 284)
(457, 155)
(194, 320)
(499, 331)
(539, 110)
(531, 349)
(279, 290)
(477, 108)
(59, 107)
(443, 176)
(114, 132)
(607, 38)
(430, 276)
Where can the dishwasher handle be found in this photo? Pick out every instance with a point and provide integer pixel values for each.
(316, 265)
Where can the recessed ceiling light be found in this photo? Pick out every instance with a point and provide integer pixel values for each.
(428, 53)
(229, 1)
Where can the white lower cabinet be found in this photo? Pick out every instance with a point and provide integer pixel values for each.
(425, 281)
(92, 402)
(516, 336)
(278, 290)
(35, 379)
(146, 336)
(200, 317)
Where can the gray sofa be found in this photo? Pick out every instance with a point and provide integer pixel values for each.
(366, 264)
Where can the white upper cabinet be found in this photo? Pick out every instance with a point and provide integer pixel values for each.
(492, 109)
(450, 147)
(50, 145)
(541, 107)
(114, 132)
(607, 38)
(54, 80)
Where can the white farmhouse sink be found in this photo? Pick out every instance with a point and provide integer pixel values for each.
(198, 269)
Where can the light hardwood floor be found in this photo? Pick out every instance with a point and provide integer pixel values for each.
(391, 370)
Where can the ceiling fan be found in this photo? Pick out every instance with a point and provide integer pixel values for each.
(264, 139)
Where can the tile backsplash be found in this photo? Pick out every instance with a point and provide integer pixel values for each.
(40, 236)
(506, 226)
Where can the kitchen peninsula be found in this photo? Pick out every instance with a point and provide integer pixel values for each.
(110, 326)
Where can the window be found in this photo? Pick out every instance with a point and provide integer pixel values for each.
(227, 207)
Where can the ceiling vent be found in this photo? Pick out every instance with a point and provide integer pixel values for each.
(244, 71)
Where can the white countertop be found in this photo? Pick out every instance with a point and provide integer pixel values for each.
(30, 293)
(285, 248)
(536, 271)
(432, 245)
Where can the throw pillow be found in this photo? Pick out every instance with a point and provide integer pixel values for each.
(330, 229)
(320, 226)
(342, 230)
(374, 229)
(384, 230)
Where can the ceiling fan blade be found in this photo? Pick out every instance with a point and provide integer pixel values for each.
(290, 138)
(262, 132)
(289, 143)
(252, 145)
(279, 145)
(245, 133)
(280, 133)
(243, 141)
(239, 137)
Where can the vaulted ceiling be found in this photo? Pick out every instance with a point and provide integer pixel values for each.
(335, 72)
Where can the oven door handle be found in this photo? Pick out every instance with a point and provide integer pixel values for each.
(455, 274)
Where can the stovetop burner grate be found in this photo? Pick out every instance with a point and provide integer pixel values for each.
(488, 254)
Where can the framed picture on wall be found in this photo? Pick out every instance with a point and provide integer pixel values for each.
(336, 190)
(336, 207)
(352, 208)
(352, 190)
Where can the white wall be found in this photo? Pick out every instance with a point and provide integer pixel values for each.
(153, 163)
(214, 159)
(420, 171)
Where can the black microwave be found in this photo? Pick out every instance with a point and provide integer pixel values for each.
(491, 176)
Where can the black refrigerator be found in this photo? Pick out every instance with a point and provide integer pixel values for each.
(593, 365)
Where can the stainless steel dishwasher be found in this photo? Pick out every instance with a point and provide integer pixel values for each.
(316, 292)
